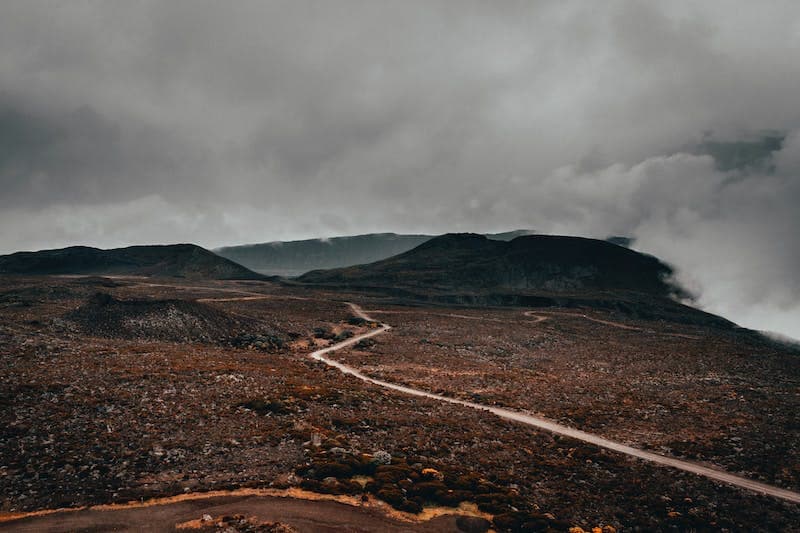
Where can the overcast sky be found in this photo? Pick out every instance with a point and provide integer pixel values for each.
(229, 122)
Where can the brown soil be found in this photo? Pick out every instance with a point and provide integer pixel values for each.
(87, 420)
(295, 514)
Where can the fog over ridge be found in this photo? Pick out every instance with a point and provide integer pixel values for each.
(676, 124)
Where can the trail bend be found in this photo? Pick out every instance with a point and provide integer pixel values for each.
(536, 318)
(546, 424)
(611, 323)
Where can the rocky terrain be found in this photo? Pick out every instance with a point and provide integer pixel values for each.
(726, 397)
(176, 260)
(170, 320)
(91, 418)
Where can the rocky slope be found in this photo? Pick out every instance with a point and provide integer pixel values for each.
(102, 315)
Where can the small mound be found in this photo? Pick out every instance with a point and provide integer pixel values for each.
(97, 281)
(166, 320)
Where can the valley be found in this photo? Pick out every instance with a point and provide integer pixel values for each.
(367, 267)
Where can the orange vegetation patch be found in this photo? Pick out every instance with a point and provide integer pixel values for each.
(224, 522)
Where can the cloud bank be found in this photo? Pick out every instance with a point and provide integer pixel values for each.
(677, 124)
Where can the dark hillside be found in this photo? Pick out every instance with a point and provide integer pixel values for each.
(175, 260)
(535, 262)
(529, 271)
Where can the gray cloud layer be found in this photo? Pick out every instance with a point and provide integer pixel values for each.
(219, 123)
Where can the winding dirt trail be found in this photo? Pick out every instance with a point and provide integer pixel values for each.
(548, 425)
(536, 318)
(586, 317)
(235, 299)
(516, 416)
(611, 323)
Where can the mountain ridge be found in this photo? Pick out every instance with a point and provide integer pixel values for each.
(529, 271)
(552, 263)
(168, 260)
(292, 258)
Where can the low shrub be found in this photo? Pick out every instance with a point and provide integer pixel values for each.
(264, 407)
(332, 469)
(393, 473)
(344, 335)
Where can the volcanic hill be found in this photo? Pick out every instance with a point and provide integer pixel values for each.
(174, 260)
(531, 270)
(539, 262)
(170, 320)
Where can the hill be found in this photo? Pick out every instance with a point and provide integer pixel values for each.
(292, 258)
(538, 262)
(533, 270)
(168, 320)
(175, 260)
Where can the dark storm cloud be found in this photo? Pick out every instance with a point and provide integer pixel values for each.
(745, 154)
(75, 156)
(219, 123)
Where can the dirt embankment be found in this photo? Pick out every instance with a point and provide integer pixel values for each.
(245, 510)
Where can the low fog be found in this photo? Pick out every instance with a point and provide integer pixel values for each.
(676, 124)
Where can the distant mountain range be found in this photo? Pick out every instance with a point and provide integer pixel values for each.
(176, 260)
(455, 261)
(292, 258)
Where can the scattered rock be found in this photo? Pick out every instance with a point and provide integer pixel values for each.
(382, 458)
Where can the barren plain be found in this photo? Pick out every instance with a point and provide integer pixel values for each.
(119, 414)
